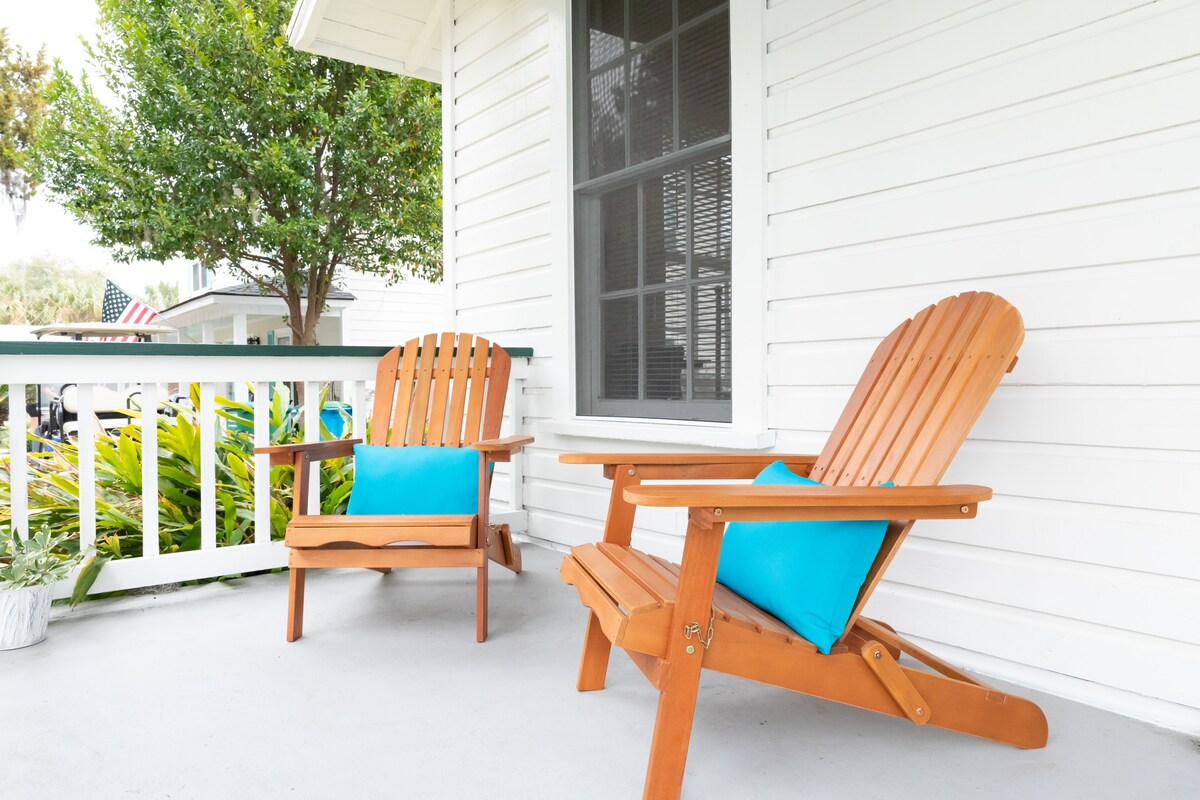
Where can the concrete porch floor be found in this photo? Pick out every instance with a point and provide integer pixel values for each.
(195, 694)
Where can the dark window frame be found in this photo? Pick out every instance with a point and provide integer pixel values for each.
(587, 194)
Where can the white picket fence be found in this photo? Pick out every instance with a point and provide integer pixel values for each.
(213, 367)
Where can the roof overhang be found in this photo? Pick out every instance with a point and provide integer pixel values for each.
(401, 36)
(215, 306)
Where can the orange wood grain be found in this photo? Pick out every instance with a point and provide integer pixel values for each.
(385, 392)
(404, 384)
(437, 390)
(921, 391)
(477, 390)
(458, 393)
(426, 359)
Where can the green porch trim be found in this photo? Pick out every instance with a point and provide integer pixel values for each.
(73, 348)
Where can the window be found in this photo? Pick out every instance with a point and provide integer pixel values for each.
(653, 208)
(201, 278)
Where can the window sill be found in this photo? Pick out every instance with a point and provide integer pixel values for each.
(661, 432)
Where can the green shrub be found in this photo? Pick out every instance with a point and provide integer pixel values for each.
(53, 482)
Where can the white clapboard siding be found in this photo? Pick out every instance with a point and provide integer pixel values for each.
(1122, 294)
(1049, 152)
(913, 149)
(497, 92)
(389, 315)
(1148, 230)
(1148, 355)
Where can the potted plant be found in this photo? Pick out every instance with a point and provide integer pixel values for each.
(28, 570)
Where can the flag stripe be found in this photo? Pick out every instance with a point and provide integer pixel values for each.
(122, 308)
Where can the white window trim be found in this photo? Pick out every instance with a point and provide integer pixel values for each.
(748, 428)
(661, 431)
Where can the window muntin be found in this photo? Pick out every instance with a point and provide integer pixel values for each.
(653, 209)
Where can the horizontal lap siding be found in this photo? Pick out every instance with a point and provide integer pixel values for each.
(502, 231)
(1049, 152)
(388, 315)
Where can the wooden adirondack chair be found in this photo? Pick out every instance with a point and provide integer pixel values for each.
(920, 394)
(448, 394)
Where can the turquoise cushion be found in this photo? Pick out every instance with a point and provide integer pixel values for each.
(414, 480)
(806, 573)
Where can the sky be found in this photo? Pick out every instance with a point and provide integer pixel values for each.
(47, 229)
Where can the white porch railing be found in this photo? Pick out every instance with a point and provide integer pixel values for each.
(212, 367)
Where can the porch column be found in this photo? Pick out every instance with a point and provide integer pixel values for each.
(239, 329)
(241, 391)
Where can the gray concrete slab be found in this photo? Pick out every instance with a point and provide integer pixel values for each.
(195, 694)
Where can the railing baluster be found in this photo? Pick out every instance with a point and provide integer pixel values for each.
(18, 461)
(262, 464)
(86, 443)
(90, 365)
(359, 410)
(312, 433)
(149, 469)
(208, 466)
(516, 474)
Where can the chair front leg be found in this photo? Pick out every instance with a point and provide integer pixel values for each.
(295, 622)
(300, 464)
(482, 533)
(593, 666)
(618, 529)
(296, 575)
(686, 645)
(481, 601)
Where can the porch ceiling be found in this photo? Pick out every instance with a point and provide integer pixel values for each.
(195, 694)
(402, 36)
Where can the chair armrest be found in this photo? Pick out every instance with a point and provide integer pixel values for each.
(502, 449)
(316, 451)
(736, 503)
(692, 466)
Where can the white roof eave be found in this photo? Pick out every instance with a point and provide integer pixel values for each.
(314, 29)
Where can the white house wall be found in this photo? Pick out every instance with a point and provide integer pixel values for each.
(502, 248)
(1047, 152)
(389, 315)
(916, 149)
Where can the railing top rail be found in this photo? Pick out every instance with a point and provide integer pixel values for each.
(68, 348)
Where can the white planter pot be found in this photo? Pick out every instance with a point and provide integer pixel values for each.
(24, 615)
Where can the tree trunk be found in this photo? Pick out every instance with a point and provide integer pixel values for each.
(301, 318)
(304, 309)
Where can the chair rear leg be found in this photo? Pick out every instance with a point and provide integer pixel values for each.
(481, 601)
(673, 729)
(593, 666)
(295, 623)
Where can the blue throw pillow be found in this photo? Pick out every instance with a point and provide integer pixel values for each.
(806, 573)
(414, 480)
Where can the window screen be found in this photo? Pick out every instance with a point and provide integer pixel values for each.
(653, 208)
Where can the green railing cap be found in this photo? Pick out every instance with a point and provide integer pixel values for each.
(69, 348)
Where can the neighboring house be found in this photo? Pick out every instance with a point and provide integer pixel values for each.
(703, 222)
(243, 314)
(365, 311)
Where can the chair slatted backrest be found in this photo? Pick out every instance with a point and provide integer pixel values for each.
(921, 392)
(445, 391)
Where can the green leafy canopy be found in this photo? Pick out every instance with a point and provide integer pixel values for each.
(232, 148)
(22, 81)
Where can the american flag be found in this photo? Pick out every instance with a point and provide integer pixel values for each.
(119, 307)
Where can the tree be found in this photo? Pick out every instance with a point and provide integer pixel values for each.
(232, 148)
(158, 296)
(43, 291)
(22, 82)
